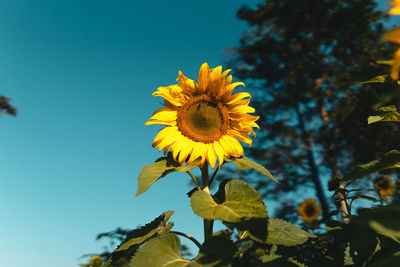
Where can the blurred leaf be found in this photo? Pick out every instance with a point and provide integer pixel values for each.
(242, 201)
(281, 232)
(391, 260)
(244, 163)
(387, 161)
(274, 260)
(385, 62)
(380, 229)
(137, 237)
(163, 166)
(379, 79)
(161, 251)
(388, 113)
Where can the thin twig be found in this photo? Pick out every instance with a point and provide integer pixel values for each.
(194, 180)
(188, 237)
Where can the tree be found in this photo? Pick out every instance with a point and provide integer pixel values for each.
(6, 107)
(306, 60)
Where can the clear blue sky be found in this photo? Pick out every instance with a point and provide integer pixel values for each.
(81, 73)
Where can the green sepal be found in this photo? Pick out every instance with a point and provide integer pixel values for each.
(244, 163)
(390, 160)
(163, 166)
(135, 238)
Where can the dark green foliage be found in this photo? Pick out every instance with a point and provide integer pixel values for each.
(306, 61)
(137, 237)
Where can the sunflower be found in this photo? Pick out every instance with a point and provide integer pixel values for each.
(204, 120)
(384, 186)
(308, 210)
(396, 9)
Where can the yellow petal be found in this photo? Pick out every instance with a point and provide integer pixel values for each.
(392, 36)
(163, 134)
(187, 84)
(237, 97)
(211, 156)
(164, 114)
(394, 71)
(220, 152)
(204, 77)
(186, 150)
(216, 73)
(241, 110)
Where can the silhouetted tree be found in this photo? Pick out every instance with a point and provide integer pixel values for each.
(306, 60)
(6, 107)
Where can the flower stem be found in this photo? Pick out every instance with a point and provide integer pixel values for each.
(188, 236)
(208, 224)
(194, 180)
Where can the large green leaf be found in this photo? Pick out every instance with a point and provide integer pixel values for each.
(383, 220)
(389, 113)
(244, 163)
(137, 237)
(164, 251)
(161, 251)
(241, 202)
(163, 166)
(387, 161)
(281, 232)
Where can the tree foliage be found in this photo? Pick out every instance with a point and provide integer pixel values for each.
(306, 60)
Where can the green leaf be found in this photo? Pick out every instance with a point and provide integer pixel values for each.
(391, 260)
(161, 251)
(211, 252)
(381, 229)
(256, 229)
(241, 202)
(385, 62)
(388, 113)
(137, 237)
(387, 161)
(379, 79)
(281, 232)
(163, 166)
(244, 163)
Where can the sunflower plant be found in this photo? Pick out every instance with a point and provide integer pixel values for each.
(204, 126)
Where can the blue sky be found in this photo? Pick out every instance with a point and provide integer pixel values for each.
(81, 74)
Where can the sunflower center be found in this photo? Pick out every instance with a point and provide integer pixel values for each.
(384, 184)
(310, 210)
(202, 119)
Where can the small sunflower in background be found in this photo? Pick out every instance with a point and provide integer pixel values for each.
(384, 186)
(309, 210)
(394, 37)
(204, 120)
(396, 9)
(95, 261)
